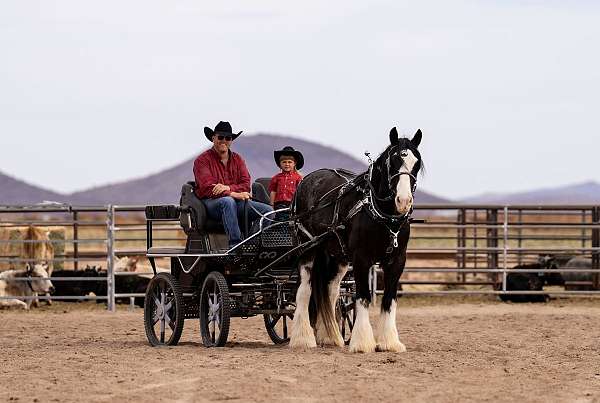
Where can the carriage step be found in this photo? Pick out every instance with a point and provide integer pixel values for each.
(165, 251)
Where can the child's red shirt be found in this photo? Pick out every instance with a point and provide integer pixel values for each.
(284, 185)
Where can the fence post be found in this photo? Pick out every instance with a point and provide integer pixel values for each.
(110, 258)
(491, 222)
(75, 240)
(596, 245)
(461, 235)
(373, 278)
(505, 249)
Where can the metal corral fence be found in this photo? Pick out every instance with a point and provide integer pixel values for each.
(459, 249)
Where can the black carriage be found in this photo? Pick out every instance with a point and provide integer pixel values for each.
(209, 281)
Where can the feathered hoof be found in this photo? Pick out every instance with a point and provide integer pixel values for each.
(362, 346)
(394, 347)
(302, 342)
(324, 339)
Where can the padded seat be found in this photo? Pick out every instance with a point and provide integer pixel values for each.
(194, 217)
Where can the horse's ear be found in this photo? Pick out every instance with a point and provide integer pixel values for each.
(393, 136)
(416, 140)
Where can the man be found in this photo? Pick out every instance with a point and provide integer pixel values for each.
(223, 182)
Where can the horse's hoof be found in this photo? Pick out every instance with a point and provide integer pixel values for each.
(362, 348)
(303, 343)
(396, 347)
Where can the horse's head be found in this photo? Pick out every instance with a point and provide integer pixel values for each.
(399, 165)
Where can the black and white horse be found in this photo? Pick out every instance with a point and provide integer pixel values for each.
(360, 220)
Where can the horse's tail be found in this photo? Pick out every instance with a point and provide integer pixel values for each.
(324, 269)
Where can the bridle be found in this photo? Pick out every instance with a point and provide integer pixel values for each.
(392, 190)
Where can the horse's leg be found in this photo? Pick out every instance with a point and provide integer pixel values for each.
(362, 340)
(387, 333)
(302, 335)
(323, 337)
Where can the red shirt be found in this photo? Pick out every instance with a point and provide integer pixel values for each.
(284, 185)
(209, 170)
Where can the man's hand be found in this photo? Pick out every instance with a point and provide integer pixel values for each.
(240, 195)
(220, 188)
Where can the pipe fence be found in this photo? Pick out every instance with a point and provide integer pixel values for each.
(459, 249)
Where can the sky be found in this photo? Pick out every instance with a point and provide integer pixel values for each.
(505, 92)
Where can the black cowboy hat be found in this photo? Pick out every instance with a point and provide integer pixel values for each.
(289, 150)
(223, 129)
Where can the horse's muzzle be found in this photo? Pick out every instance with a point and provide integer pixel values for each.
(403, 204)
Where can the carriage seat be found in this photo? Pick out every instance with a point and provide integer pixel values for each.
(194, 217)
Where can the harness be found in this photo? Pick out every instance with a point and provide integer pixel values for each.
(368, 202)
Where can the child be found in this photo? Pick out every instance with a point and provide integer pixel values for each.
(283, 185)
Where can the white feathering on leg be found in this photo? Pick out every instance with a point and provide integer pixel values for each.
(302, 335)
(387, 333)
(362, 340)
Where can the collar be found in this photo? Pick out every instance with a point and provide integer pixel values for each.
(217, 155)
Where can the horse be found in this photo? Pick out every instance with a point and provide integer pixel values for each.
(361, 220)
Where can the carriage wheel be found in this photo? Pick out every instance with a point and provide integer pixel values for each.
(163, 310)
(215, 306)
(346, 315)
(278, 326)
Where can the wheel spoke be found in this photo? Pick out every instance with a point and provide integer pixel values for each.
(275, 319)
(285, 330)
(168, 306)
(155, 318)
(218, 320)
(214, 331)
(169, 321)
(162, 330)
(156, 301)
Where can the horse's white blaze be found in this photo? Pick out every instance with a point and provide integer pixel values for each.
(404, 197)
(302, 335)
(387, 333)
(334, 292)
(362, 340)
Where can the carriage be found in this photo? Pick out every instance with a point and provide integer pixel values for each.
(213, 283)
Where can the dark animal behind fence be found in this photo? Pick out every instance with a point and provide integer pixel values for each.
(131, 284)
(525, 282)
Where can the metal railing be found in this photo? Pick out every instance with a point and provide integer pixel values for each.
(460, 249)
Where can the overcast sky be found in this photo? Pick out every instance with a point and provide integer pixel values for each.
(506, 92)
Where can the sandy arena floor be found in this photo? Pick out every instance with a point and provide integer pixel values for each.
(458, 350)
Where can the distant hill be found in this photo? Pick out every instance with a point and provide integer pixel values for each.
(257, 150)
(583, 193)
(15, 191)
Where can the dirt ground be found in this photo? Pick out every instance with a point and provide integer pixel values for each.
(458, 350)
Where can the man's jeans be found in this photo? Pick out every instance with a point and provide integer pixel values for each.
(230, 212)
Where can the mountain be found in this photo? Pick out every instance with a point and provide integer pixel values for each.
(15, 191)
(257, 150)
(583, 193)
